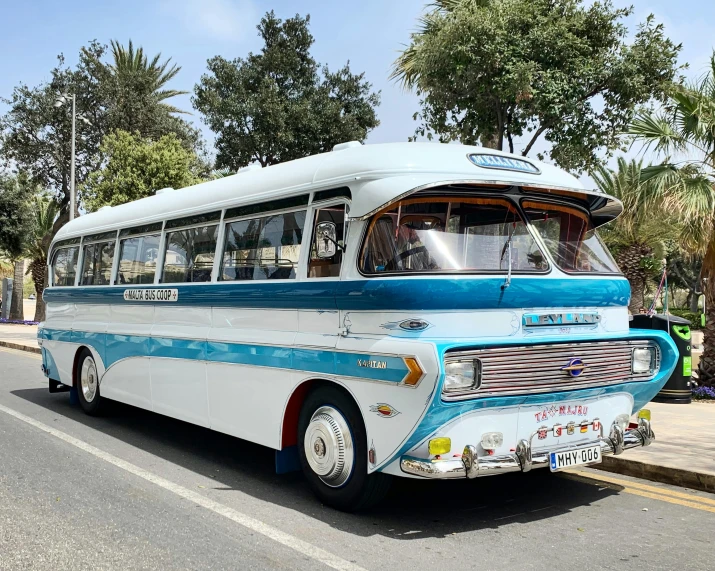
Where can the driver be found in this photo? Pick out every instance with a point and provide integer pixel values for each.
(413, 253)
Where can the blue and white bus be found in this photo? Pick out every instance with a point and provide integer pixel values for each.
(414, 310)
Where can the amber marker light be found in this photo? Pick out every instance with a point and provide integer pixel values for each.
(415, 371)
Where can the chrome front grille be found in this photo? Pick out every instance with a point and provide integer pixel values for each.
(538, 368)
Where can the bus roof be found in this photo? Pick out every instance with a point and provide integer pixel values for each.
(376, 174)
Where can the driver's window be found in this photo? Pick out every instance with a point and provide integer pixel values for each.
(322, 267)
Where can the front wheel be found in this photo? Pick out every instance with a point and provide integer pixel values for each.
(332, 445)
(87, 383)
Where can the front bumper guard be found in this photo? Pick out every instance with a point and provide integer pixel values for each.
(470, 465)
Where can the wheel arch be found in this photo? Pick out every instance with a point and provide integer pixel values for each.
(291, 412)
(97, 361)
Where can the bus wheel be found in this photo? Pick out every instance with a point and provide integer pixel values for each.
(332, 445)
(87, 383)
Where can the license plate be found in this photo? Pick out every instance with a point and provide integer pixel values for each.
(575, 457)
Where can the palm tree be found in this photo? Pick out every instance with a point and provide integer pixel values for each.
(133, 67)
(638, 235)
(45, 211)
(683, 132)
(137, 97)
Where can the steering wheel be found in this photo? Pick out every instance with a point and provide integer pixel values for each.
(402, 256)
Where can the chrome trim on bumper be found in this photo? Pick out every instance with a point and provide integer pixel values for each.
(470, 465)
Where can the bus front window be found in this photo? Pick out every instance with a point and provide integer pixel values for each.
(570, 237)
(446, 235)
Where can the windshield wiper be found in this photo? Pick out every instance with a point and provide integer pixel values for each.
(505, 249)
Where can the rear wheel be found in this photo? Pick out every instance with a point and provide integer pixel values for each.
(87, 383)
(332, 445)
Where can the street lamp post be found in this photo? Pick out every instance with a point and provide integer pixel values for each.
(61, 100)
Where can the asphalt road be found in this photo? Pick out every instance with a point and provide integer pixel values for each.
(135, 490)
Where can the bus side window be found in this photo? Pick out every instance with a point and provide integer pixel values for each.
(328, 267)
(64, 266)
(266, 248)
(97, 264)
(137, 260)
(189, 255)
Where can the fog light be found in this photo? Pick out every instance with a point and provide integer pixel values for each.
(623, 420)
(492, 440)
(643, 360)
(644, 413)
(440, 445)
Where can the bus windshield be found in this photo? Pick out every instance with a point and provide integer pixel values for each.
(439, 234)
(570, 237)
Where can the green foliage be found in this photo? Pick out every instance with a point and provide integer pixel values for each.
(128, 93)
(279, 105)
(135, 168)
(492, 71)
(15, 215)
(36, 135)
(693, 317)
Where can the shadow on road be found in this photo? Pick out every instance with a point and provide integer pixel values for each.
(414, 509)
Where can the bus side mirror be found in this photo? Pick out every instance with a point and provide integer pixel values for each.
(326, 244)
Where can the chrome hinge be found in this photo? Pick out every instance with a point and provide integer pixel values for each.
(345, 329)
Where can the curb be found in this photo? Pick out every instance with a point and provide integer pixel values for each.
(20, 347)
(664, 474)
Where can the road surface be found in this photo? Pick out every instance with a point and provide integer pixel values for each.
(135, 490)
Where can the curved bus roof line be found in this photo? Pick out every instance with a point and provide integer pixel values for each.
(376, 174)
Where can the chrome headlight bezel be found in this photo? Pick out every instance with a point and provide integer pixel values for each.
(461, 375)
(644, 360)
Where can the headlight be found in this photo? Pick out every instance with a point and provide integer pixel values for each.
(643, 360)
(462, 375)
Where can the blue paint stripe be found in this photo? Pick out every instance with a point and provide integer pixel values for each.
(117, 347)
(409, 294)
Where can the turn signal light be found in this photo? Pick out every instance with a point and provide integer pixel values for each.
(441, 445)
(644, 413)
(415, 371)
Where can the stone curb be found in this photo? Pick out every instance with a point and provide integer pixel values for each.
(664, 474)
(20, 347)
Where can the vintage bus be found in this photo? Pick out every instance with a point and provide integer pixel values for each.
(415, 310)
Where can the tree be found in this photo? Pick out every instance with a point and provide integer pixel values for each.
(638, 237)
(35, 136)
(44, 210)
(493, 71)
(136, 96)
(279, 105)
(14, 225)
(136, 168)
(685, 129)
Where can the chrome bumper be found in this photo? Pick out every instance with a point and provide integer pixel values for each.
(470, 465)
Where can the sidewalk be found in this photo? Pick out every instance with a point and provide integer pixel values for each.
(683, 453)
(23, 337)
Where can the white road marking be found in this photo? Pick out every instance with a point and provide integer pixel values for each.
(253, 524)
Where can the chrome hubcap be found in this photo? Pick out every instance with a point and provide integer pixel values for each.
(329, 446)
(88, 379)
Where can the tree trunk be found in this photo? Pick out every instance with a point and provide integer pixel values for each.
(629, 261)
(707, 361)
(38, 269)
(693, 301)
(16, 309)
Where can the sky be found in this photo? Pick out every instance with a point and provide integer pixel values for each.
(368, 33)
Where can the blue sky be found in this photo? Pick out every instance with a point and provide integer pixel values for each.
(369, 33)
